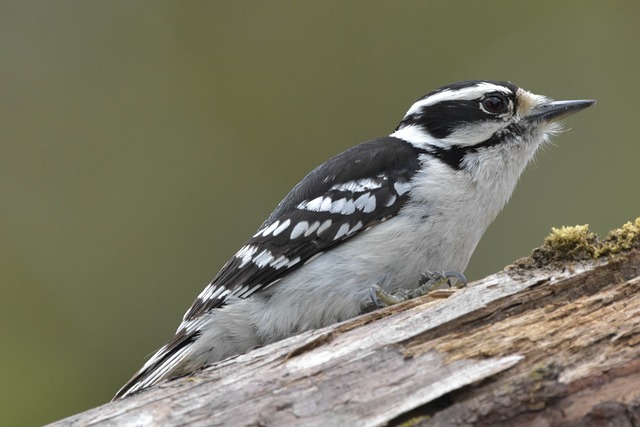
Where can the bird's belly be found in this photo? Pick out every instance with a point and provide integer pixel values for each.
(336, 285)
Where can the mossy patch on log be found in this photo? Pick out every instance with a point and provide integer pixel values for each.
(578, 243)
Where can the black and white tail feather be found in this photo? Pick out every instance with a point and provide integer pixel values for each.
(380, 213)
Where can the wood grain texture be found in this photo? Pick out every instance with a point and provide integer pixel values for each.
(522, 347)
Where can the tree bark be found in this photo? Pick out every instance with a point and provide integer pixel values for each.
(525, 347)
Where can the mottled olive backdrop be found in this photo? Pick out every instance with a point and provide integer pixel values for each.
(141, 142)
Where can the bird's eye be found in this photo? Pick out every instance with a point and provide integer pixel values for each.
(495, 104)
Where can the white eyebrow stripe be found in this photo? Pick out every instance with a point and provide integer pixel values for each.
(465, 94)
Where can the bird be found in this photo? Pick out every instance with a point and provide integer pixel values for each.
(367, 223)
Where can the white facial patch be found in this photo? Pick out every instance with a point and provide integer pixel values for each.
(464, 94)
(473, 134)
(416, 136)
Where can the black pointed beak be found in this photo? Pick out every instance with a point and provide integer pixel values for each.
(556, 110)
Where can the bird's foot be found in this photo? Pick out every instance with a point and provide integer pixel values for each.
(428, 281)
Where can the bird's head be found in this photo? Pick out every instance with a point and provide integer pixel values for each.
(476, 121)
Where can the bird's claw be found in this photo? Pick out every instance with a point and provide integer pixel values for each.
(381, 298)
(434, 279)
(427, 282)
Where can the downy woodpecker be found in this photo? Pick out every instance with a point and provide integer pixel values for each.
(375, 216)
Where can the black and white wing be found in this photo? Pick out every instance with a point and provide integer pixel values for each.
(355, 190)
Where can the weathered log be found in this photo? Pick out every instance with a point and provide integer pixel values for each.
(556, 345)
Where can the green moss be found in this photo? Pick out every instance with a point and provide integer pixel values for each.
(571, 242)
(624, 238)
(578, 243)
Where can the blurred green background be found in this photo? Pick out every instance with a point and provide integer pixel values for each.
(142, 142)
